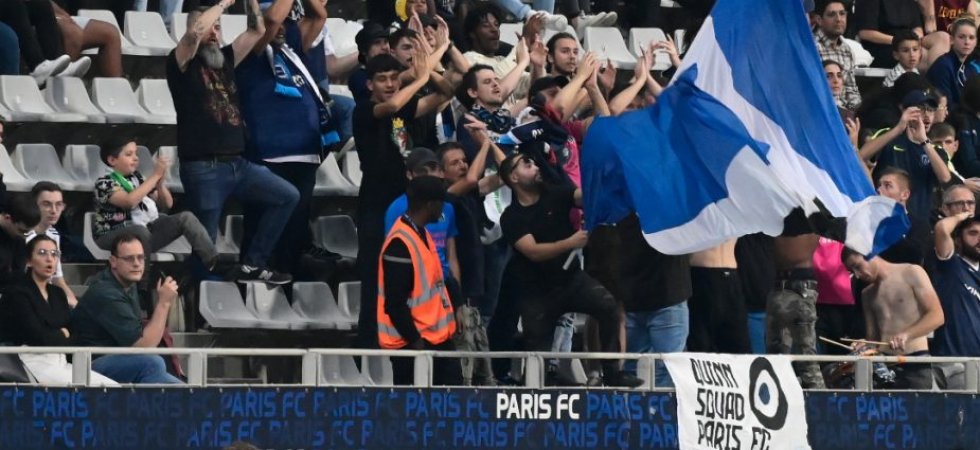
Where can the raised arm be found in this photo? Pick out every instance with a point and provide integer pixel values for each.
(621, 101)
(871, 148)
(405, 94)
(311, 24)
(509, 83)
(248, 41)
(187, 47)
(267, 26)
(944, 235)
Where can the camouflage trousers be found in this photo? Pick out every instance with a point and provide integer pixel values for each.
(791, 316)
(471, 336)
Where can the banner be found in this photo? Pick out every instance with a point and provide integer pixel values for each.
(734, 402)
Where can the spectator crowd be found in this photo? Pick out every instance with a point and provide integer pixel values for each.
(469, 218)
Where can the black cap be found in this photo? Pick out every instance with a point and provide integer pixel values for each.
(425, 189)
(545, 83)
(919, 97)
(421, 157)
(368, 34)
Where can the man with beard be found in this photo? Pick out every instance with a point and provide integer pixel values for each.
(288, 120)
(211, 136)
(957, 281)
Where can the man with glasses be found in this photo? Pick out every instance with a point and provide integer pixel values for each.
(18, 217)
(830, 18)
(907, 146)
(109, 315)
(51, 203)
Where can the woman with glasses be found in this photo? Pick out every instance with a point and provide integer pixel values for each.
(950, 72)
(35, 312)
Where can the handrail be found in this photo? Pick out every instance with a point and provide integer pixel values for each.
(534, 362)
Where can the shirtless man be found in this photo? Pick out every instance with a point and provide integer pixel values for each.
(901, 308)
(791, 309)
(719, 320)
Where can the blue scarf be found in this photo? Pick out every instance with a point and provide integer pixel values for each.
(289, 85)
(499, 121)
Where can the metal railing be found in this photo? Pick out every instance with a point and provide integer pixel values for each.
(534, 363)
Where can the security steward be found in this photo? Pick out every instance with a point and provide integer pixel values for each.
(414, 311)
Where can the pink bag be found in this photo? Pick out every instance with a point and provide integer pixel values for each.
(833, 279)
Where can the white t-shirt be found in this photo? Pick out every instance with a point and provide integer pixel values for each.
(53, 234)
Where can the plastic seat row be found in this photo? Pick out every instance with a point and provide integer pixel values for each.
(65, 99)
(266, 307)
(143, 34)
(76, 170)
(608, 43)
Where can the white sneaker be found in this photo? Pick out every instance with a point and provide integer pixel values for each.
(555, 22)
(609, 19)
(50, 68)
(77, 68)
(597, 20)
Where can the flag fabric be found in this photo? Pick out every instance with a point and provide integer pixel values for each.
(746, 134)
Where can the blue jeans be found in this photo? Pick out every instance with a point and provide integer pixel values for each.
(757, 332)
(9, 51)
(520, 10)
(208, 184)
(661, 331)
(564, 332)
(138, 369)
(341, 113)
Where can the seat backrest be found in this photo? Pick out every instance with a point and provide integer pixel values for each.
(10, 173)
(640, 39)
(232, 25)
(146, 29)
(114, 95)
(340, 370)
(20, 94)
(329, 174)
(549, 33)
(107, 16)
(337, 234)
(88, 238)
(41, 162)
(222, 306)
(352, 167)
(154, 96)
(68, 94)
(509, 32)
(235, 229)
(268, 302)
(178, 26)
(146, 164)
(378, 369)
(608, 44)
(349, 296)
(84, 163)
(315, 301)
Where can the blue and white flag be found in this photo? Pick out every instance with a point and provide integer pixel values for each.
(747, 132)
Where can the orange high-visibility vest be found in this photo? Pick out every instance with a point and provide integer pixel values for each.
(429, 301)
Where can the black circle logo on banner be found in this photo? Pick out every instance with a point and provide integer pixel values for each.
(766, 396)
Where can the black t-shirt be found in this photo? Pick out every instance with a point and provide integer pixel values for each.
(383, 144)
(209, 121)
(13, 259)
(547, 221)
(650, 280)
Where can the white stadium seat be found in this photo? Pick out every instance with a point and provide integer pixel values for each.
(88, 239)
(24, 100)
(349, 298)
(352, 167)
(147, 30)
(232, 25)
(337, 234)
(83, 163)
(640, 38)
(315, 301)
(607, 43)
(154, 96)
(269, 304)
(15, 181)
(509, 32)
(222, 306)
(128, 48)
(40, 162)
(341, 371)
(115, 94)
(331, 181)
(173, 178)
(68, 95)
(178, 26)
